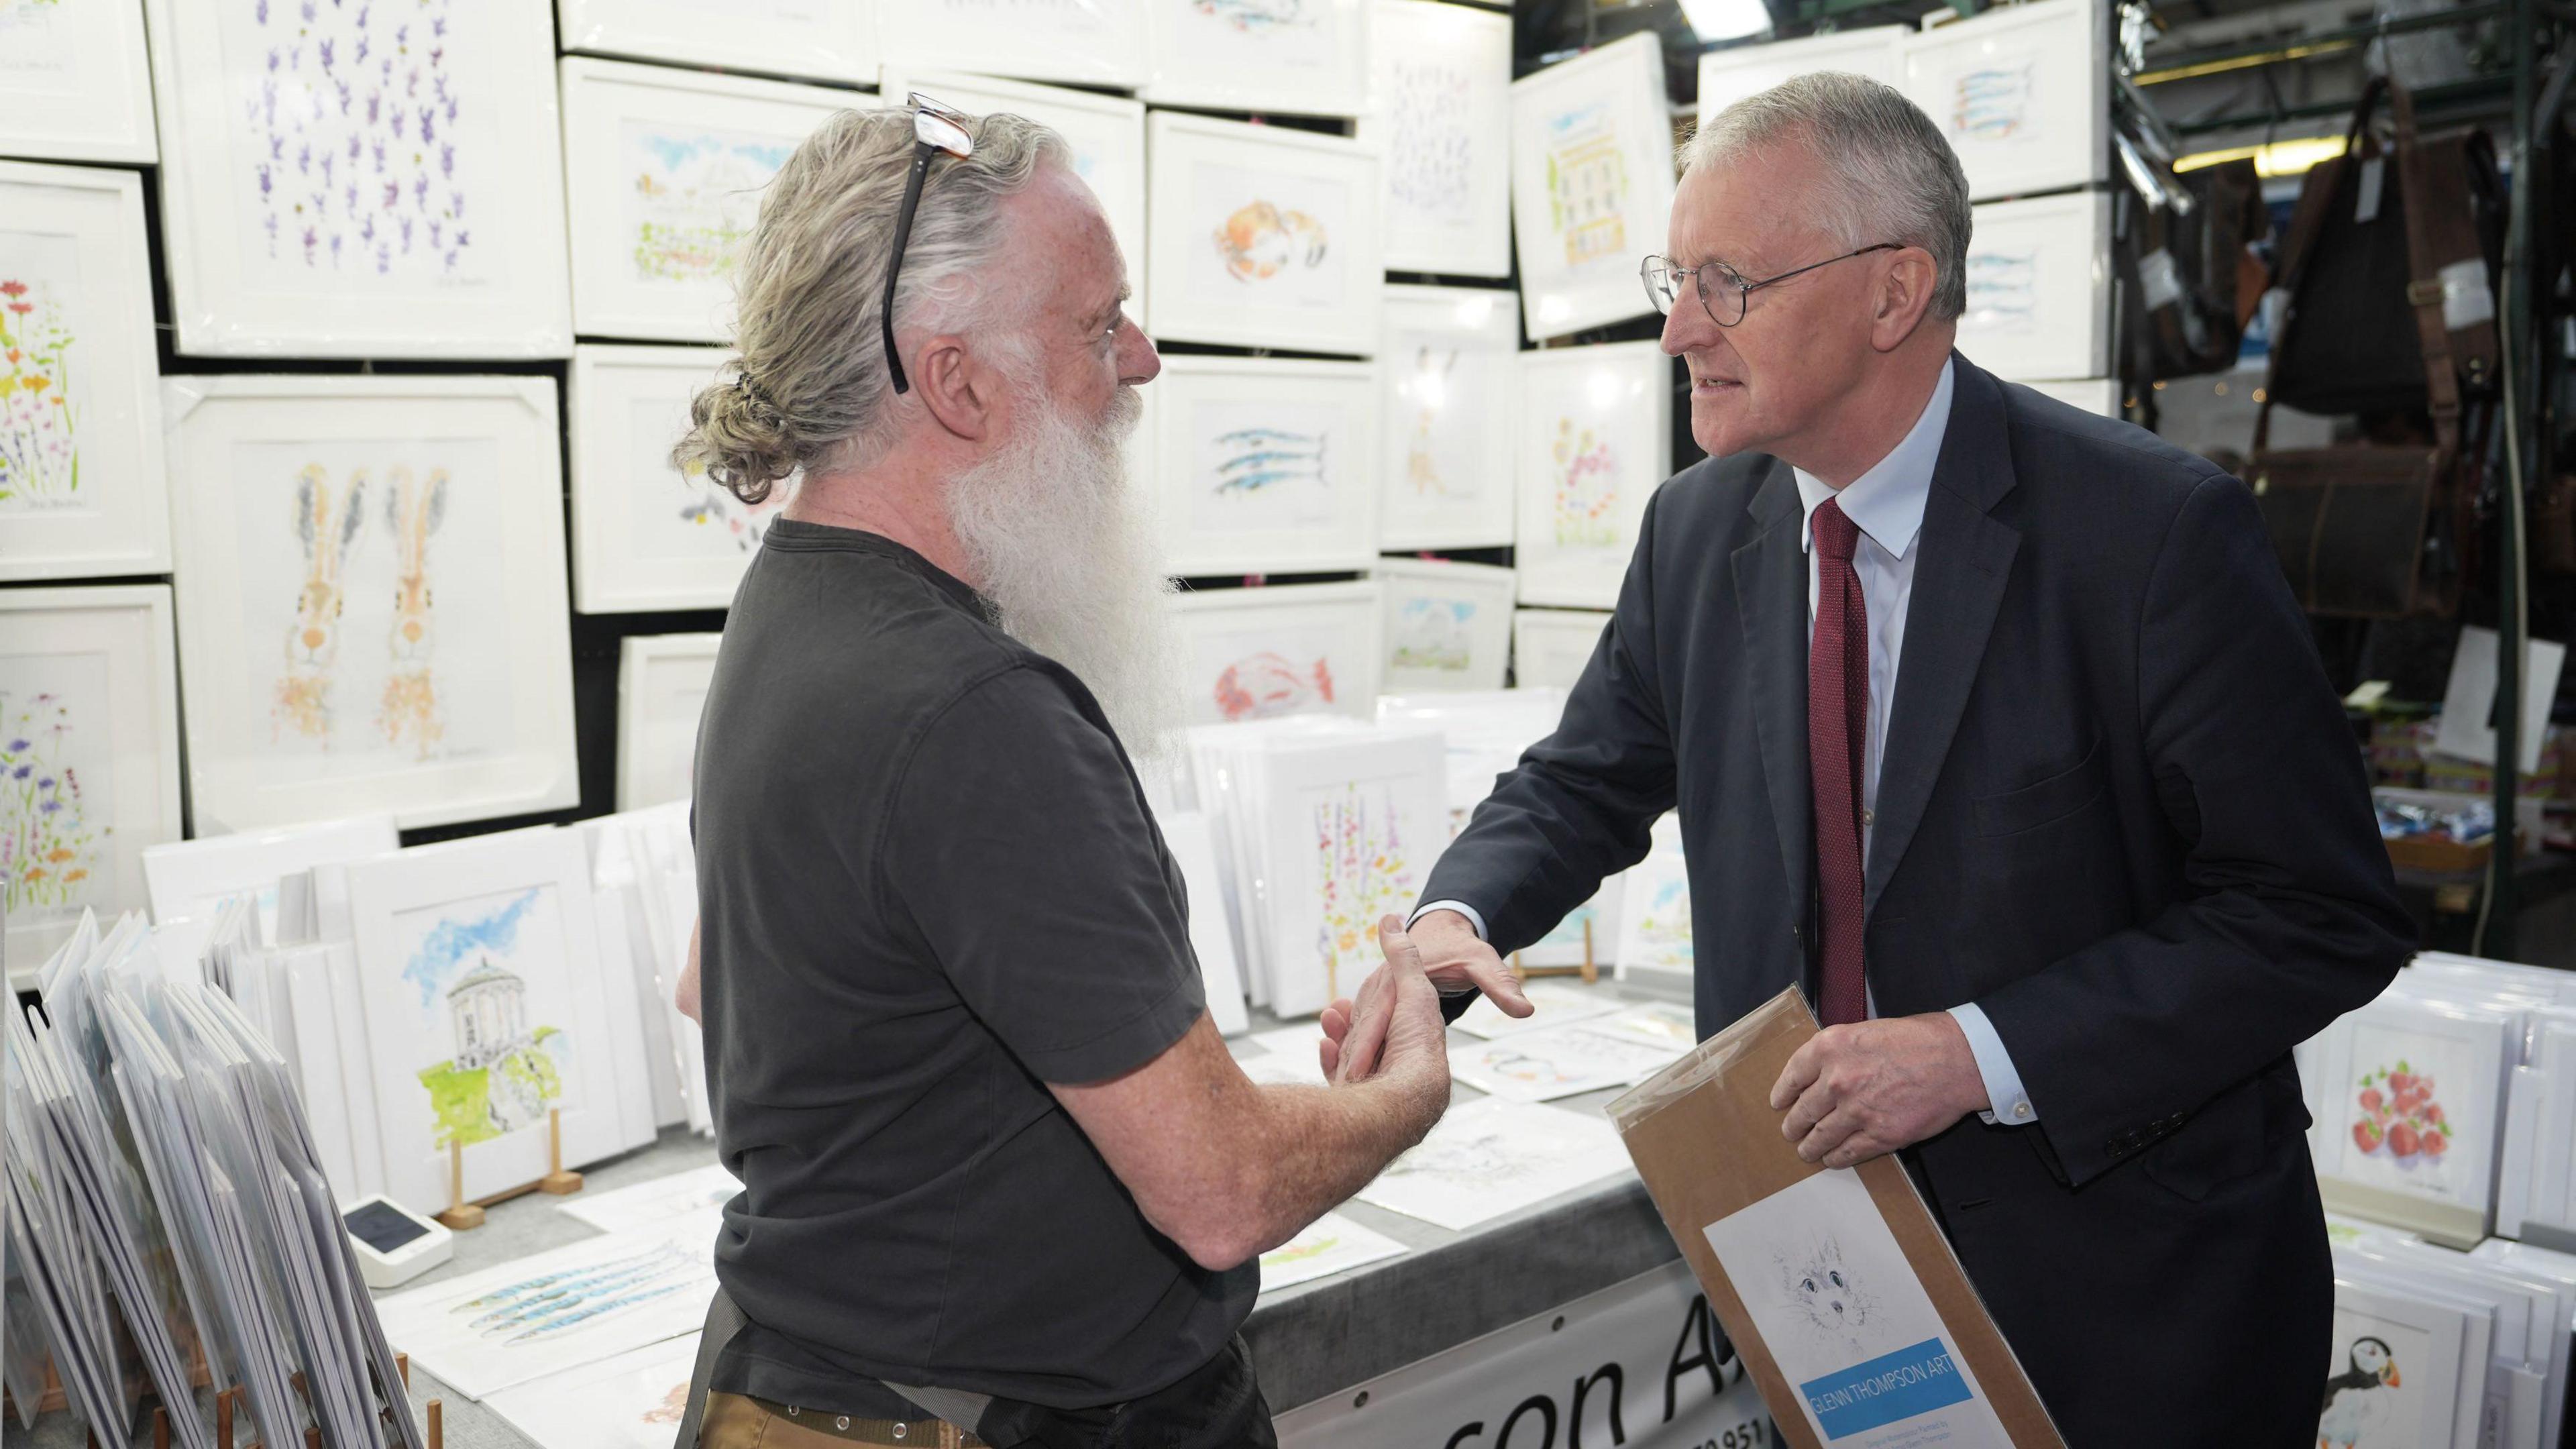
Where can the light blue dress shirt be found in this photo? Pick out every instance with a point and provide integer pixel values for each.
(1886, 504)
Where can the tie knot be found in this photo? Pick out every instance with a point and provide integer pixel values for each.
(1835, 534)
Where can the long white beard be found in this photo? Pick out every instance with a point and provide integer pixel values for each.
(1066, 550)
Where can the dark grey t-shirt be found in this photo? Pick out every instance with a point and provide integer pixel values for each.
(928, 885)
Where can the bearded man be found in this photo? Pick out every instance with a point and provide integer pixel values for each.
(993, 1149)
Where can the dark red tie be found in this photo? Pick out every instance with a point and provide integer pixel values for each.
(1837, 723)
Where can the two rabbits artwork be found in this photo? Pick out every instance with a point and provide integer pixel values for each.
(332, 522)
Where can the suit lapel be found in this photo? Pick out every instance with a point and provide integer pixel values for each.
(1958, 585)
(1771, 599)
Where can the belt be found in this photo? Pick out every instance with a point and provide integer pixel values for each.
(787, 1426)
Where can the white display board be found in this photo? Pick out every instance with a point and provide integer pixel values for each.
(1728, 76)
(1297, 57)
(832, 40)
(1592, 185)
(2023, 94)
(1261, 236)
(2097, 395)
(1448, 366)
(1595, 441)
(1440, 110)
(646, 533)
(2039, 287)
(1262, 465)
(75, 82)
(662, 682)
(1084, 42)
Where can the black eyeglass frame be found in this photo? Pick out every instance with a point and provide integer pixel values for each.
(1744, 289)
(935, 129)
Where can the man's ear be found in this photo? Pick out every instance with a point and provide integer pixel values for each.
(955, 391)
(1904, 297)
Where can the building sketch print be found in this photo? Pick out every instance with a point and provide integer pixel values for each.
(327, 521)
(1250, 460)
(1587, 185)
(1587, 488)
(1363, 872)
(695, 198)
(39, 451)
(1267, 683)
(538, 1309)
(1256, 16)
(1993, 102)
(1260, 241)
(1434, 634)
(2003, 291)
(409, 711)
(350, 111)
(503, 1071)
(1430, 149)
(49, 850)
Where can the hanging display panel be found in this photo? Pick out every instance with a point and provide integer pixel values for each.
(1551, 646)
(2098, 395)
(81, 487)
(361, 180)
(1445, 469)
(1728, 76)
(1087, 42)
(1439, 108)
(1296, 57)
(1289, 649)
(1106, 134)
(89, 755)
(1592, 185)
(75, 83)
(1448, 625)
(831, 40)
(662, 682)
(646, 533)
(372, 573)
(2021, 92)
(1595, 442)
(667, 171)
(1262, 465)
(1259, 236)
(2039, 287)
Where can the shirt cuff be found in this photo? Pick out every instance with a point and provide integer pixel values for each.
(2006, 1102)
(1474, 917)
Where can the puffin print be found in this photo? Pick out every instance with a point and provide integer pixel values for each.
(2360, 1400)
(1826, 1295)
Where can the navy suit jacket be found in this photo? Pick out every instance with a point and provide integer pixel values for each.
(2119, 809)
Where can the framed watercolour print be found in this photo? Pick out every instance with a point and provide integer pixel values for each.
(2412, 1346)
(1350, 828)
(1299, 57)
(81, 486)
(1550, 647)
(75, 83)
(2021, 93)
(2039, 287)
(1086, 42)
(667, 170)
(1595, 429)
(830, 40)
(661, 691)
(647, 535)
(1106, 134)
(2098, 395)
(1448, 625)
(2413, 1091)
(374, 612)
(1258, 236)
(89, 755)
(1440, 110)
(361, 181)
(1592, 185)
(1727, 76)
(1447, 366)
(1261, 653)
(1261, 465)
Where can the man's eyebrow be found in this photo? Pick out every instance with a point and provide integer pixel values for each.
(1116, 304)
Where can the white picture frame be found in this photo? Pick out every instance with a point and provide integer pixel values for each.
(662, 682)
(1263, 653)
(1440, 112)
(647, 535)
(190, 879)
(655, 263)
(1730, 75)
(1550, 647)
(829, 40)
(1105, 133)
(2021, 93)
(2099, 396)
(1350, 828)
(89, 755)
(450, 249)
(1261, 236)
(1300, 58)
(1262, 465)
(81, 482)
(76, 83)
(1081, 42)
(430, 922)
(2039, 287)
(2394, 1075)
(1448, 626)
(283, 727)
(1595, 426)
(2416, 1331)
(1592, 185)
(1447, 371)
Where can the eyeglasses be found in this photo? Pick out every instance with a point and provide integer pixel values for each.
(1722, 289)
(935, 128)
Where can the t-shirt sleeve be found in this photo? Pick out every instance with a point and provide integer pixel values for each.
(1020, 850)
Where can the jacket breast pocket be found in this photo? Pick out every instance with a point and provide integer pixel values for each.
(2046, 800)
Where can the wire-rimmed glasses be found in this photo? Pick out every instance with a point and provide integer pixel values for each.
(1722, 289)
(935, 128)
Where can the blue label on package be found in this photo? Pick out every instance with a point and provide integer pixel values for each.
(1895, 1386)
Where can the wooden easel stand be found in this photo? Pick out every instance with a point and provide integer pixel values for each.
(1590, 970)
(461, 1216)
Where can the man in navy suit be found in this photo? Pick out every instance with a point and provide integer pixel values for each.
(1993, 725)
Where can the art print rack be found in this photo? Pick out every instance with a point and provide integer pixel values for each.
(54, 1401)
(462, 1216)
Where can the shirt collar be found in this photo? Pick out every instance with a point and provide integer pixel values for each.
(1887, 501)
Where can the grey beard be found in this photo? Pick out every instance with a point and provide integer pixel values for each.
(1068, 554)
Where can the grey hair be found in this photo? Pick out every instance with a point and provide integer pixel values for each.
(1892, 175)
(809, 382)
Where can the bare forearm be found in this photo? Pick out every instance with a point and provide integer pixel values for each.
(1309, 1148)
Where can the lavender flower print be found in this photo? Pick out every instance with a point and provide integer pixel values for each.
(50, 851)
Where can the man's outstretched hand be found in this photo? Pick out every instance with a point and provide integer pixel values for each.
(1453, 957)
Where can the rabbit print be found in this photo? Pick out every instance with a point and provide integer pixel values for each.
(410, 711)
(326, 522)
